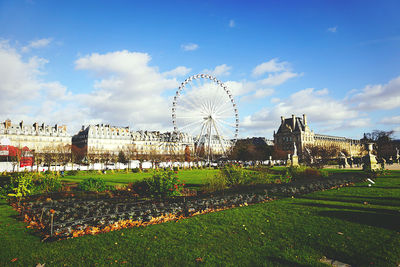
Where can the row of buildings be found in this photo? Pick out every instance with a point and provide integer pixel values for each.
(293, 131)
(100, 138)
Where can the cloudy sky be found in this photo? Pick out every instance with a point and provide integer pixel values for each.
(121, 62)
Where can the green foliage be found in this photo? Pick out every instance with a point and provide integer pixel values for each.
(233, 176)
(22, 186)
(135, 170)
(46, 184)
(303, 172)
(215, 183)
(93, 184)
(72, 172)
(164, 184)
(175, 169)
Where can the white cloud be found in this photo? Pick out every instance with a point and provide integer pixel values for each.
(26, 96)
(178, 71)
(372, 97)
(278, 78)
(278, 72)
(189, 47)
(128, 90)
(270, 66)
(391, 120)
(37, 44)
(220, 70)
(327, 113)
(357, 123)
(258, 94)
(19, 81)
(231, 23)
(332, 29)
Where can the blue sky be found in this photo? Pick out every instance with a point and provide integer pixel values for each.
(120, 62)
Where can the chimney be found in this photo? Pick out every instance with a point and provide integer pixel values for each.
(293, 121)
(36, 125)
(7, 123)
(21, 125)
(282, 119)
(305, 119)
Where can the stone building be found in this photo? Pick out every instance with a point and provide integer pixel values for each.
(38, 138)
(95, 139)
(296, 130)
(102, 138)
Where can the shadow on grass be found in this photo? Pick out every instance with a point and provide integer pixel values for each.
(283, 262)
(385, 201)
(387, 221)
(383, 218)
(380, 187)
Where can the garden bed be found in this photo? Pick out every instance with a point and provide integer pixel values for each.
(68, 214)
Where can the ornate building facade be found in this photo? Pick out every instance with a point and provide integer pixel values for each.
(295, 130)
(38, 138)
(105, 138)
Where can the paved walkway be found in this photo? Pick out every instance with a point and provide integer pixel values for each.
(395, 166)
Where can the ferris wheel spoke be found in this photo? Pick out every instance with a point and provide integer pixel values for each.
(189, 117)
(190, 124)
(224, 104)
(224, 129)
(219, 138)
(225, 117)
(189, 103)
(189, 111)
(233, 125)
(224, 109)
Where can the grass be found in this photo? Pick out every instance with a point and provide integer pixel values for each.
(194, 177)
(358, 225)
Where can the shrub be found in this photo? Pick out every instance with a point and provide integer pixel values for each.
(72, 172)
(215, 183)
(164, 184)
(234, 175)
(46, 184)
(93, 184)
(306, 173)
(175, 169)
(22, 186)
(135, 170)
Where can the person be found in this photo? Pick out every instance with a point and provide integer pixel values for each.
(350, 161)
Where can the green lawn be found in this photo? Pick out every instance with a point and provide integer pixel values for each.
(195, 177)
(358, 225)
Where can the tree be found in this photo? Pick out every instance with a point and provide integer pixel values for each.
(187, 154)
(384, 145)
(251, 149)
(318, 156)
(121, 157)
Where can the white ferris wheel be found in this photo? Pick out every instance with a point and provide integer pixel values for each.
(204, 108)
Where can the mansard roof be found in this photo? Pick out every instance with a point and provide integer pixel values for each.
(287, 124)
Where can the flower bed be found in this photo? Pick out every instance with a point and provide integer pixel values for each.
(75, 216)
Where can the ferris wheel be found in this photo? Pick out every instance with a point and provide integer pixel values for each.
(204, 108)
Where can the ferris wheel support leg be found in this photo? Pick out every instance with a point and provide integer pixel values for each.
(220, 141)
(209, 142)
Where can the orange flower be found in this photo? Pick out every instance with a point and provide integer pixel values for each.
(52, 211)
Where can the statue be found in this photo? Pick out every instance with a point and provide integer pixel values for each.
(295, 158)
(309, 154)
